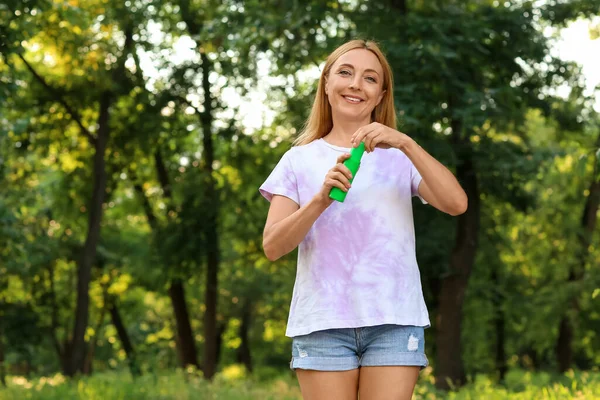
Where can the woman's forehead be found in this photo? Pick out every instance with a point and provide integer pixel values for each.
(361, 59)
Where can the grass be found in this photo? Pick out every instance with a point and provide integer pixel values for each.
(233, 384)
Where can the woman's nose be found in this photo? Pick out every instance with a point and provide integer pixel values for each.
(355, 84)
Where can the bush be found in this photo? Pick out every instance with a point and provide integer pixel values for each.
(234, 384)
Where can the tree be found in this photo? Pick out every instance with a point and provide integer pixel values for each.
(475, 66)
(104, 98)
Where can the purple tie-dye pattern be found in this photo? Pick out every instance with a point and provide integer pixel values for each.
(284, 183)
(357, 264)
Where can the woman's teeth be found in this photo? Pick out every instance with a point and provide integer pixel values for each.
(352, 99)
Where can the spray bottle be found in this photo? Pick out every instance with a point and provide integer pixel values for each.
(353, 163)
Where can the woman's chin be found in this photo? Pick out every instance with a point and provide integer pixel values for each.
(348, 114)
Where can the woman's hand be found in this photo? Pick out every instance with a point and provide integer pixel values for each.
(288, 224)
(339, 176)
(378, 135)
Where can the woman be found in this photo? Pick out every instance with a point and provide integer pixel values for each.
(357, 316)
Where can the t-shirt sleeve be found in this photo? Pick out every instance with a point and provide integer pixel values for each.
(282, 181)
(415, 181)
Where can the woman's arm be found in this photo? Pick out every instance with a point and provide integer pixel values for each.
(287, 224)
(439, 187)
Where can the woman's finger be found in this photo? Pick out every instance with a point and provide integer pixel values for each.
(331, 183)
(360, 134)
(344, 170)
(343, 158)
(372, 140)
(337, 175)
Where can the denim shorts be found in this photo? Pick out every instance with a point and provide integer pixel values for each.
(350, 348)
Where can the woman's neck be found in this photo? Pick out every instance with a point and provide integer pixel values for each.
(342, 131)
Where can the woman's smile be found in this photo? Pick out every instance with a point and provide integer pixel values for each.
(353, 99)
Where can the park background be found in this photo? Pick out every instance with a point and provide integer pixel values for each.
(134, 136)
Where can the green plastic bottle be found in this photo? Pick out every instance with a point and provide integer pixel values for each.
(353, 163)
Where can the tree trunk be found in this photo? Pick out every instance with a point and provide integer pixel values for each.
(84, 270)
(564, 343)
(89, 358)
(533, 359)
(564, 350)
(186, 345)
(212, 245)
(220, 331)
(61, 349)
(243, 354)
(2, 366)
(449, 367)
(210, 315)
(185, 338)
(499, 323)
(212, 250)
(124, 338)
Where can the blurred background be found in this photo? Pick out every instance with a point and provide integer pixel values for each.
(134, 136)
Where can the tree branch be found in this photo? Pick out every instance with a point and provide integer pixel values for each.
(163, 178)
(137, 186)
(74, 114)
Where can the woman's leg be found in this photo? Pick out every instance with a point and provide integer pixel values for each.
(328, 385)
(387, 383)
(392, 357)
(326, 364)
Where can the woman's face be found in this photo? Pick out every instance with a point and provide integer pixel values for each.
(354, 85)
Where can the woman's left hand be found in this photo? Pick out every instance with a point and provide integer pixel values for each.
(378, 135)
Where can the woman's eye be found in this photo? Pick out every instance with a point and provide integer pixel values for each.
(371, 79)
(344, 72)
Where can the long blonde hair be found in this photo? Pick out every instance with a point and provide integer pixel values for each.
(320, 122)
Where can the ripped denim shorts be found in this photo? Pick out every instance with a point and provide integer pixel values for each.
(350, 348)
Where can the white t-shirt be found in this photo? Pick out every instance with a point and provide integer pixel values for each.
(357, 265)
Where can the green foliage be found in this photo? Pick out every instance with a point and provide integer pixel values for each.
(233, 384)
(229, 385)
(481, 63)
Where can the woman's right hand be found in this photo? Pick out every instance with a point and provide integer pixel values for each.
(339, 176)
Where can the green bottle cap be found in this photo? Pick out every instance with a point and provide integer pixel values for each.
(353, 164)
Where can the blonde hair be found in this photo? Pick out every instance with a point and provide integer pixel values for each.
(320, 122)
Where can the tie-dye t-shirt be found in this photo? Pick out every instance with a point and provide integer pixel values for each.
(357, 265)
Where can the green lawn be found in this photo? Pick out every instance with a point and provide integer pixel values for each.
(232, 384)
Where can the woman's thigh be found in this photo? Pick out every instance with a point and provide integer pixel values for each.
(391, 360)
(328, 385)
(387, 383)
(326, 364)
(389, 357)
